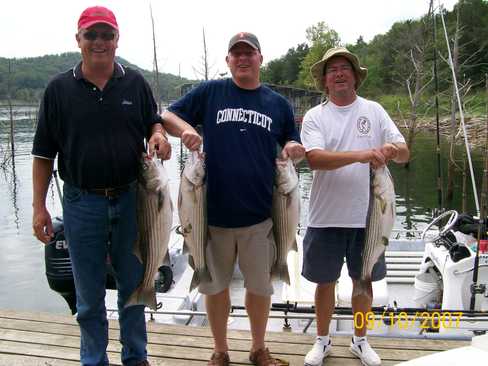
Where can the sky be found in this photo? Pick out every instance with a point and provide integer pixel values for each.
(30, 28)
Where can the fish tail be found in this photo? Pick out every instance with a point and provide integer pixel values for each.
(133, 299)
(148, 297)
(142, 296)
(280, 272)
(294, 246)
(199, 276)
(205, 275)
(362, 288)
(284, 275)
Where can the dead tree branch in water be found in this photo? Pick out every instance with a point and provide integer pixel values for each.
(205, 70)
(156, 90)
(420, 77)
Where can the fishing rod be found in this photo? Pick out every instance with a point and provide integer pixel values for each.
(436, 99)
(339, 313)
(377, 310)
(475, 288)
(461, 113)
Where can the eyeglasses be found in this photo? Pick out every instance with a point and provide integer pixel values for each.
(93, 35)
(335, 70)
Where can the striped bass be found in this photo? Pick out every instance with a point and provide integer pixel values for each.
(379, 222)
(154, 220)
(192, 210)
(285, 216)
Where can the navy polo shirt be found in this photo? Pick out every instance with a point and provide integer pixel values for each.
(241, 131)
(98, 135)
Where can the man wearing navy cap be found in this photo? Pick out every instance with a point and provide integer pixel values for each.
(243, 122)
(94, 119)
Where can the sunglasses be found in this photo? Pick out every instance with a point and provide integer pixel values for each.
(93, 35)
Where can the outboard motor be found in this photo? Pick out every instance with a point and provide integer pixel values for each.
(58, 265)
(59, 272)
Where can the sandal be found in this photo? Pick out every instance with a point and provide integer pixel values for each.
(262, 357)
(219, 359)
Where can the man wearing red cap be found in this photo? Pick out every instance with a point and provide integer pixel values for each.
(95, 118)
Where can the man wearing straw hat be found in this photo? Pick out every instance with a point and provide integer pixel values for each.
(343, 137)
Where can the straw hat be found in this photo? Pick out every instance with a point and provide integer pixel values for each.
(317, 69)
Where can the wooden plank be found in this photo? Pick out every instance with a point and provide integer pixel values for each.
(41, 321)
(34, 337)
(174, 347)
(19, 360)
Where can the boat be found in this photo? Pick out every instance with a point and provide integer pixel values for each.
(426, 293)
(475, 354)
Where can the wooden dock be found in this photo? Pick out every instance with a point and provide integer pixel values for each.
(30, 339)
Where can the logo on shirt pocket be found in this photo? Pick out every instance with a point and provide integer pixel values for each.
(363, 125)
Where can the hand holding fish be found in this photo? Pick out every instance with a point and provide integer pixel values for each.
(191, 139)
(159, 143)
(390, 151)
(293, 150)
(373, 156)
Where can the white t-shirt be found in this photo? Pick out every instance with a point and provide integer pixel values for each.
(340, 197)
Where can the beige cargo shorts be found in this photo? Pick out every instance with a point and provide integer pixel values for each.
(252, 246)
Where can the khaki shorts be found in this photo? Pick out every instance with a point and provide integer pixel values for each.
(255, 249)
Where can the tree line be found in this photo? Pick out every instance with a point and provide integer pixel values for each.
(392, 58)
(399, 62)
(28, 77)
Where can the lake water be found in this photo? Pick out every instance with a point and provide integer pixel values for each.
(23, 285)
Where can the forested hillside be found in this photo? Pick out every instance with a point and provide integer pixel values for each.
(29, 76)
(400, 62)
(403, 56)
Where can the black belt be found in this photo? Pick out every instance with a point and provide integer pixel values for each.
(110, 192)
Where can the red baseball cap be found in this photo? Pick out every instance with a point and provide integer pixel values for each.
(95, 15)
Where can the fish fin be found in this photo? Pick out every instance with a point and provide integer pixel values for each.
(160, 200)
(191, 261)
(137, 249)
(195, 280)
(185, 247)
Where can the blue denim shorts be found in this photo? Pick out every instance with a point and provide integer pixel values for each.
(324, 250)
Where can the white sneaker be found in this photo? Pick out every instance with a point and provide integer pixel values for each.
(365, 353)
(316, 355)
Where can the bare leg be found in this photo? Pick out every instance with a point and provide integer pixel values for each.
(361, 304)
(324, 306)
(258, 311)
(218, 308)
